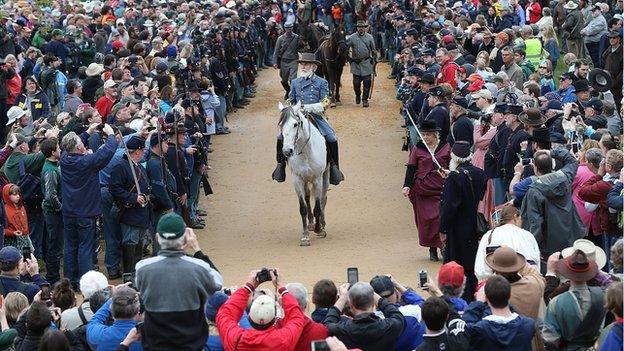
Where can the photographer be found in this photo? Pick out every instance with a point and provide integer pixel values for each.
(175, 288)
(264, 335)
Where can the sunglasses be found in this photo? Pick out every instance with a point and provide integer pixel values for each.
(543, 67)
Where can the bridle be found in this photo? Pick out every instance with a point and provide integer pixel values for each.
(297, 132)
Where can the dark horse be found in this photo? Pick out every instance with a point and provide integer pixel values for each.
(332, 54)
(310, 37)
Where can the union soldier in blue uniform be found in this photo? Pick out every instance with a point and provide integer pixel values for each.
(133, 203)
(313, 93)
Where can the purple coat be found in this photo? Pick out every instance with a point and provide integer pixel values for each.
(426, 190)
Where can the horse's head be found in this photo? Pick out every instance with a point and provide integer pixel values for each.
(338, 37)
(291, 120)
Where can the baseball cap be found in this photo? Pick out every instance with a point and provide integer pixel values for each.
(10, 255)
(171, 226)
(262, 311)
(483, 93)
(460, 101)
(436, 91)
(451, 274)
(110, 84)
(596, 104)
(383, 286)
(553, 105)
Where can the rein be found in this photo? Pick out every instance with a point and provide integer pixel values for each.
(297, 135)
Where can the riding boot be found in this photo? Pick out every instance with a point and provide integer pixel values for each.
(287, 88)
(335, 175)
(128, 257)
(279, 174)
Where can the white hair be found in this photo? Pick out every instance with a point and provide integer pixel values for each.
(91, 282)
(456, 161)
(300, 293)
(170, 244)
(70, 142)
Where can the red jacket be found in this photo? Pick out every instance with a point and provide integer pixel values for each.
(311, 331)
(448, 73)
(595, 191)
(280, 336)
(535, 12)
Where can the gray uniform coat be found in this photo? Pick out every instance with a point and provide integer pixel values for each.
(361, 52)
(286, 56)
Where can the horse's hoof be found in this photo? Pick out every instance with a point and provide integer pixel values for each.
(333, 104)
(321, 234)
(304, 241)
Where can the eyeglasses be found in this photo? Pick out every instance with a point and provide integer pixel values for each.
(543, 67)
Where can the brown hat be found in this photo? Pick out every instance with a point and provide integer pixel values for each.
(532, 117)
(577, 267)
(505, 260)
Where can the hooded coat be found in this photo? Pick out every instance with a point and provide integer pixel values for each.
(548, 210)
(493, 333)
(16, 218)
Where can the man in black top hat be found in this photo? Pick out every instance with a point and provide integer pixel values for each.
(129, 186)
(463, 189)
(494, 157)
(512, 149)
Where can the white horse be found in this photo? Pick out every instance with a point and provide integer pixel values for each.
(304, 147)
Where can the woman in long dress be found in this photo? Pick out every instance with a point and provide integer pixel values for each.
(423, 185)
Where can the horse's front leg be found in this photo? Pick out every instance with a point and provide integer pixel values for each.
(332, 92)
(319, 208)
(303, 211)
(309, 208)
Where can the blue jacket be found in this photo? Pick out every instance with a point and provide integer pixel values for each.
(108, 337)
(568, 95)
(613, 340)
(80, 183)
(414, 329)
(39, 105)
(123, 189)
(488, 332)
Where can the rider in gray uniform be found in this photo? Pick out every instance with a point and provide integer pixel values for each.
(313, 93)
(285, 56)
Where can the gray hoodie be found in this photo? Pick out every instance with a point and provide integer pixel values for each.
(547, 209)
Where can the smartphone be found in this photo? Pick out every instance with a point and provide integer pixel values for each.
(45, 291)
(26, 252)
(352, 275)
(422, 276)
(139, 328)
(491, 249)
(128, 278)
(319, 345)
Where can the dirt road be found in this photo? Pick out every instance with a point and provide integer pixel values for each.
(254, 222)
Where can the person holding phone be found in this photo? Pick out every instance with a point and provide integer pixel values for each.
(124, 307)
(366, 328)
(13, 269)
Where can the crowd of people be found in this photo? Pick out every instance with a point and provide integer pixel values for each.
(512, 112)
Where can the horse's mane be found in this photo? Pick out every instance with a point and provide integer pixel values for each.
(284, 114)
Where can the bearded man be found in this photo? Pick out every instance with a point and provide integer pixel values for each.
(463, 189)
(312, 92)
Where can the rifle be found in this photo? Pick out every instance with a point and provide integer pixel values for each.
(183, 208)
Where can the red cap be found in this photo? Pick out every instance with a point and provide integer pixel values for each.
(451, 274)
(447, 39)
(117, 45)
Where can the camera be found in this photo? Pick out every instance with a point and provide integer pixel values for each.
(264, 275)
(526, 161)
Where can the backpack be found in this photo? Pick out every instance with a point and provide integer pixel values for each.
(30, 187)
